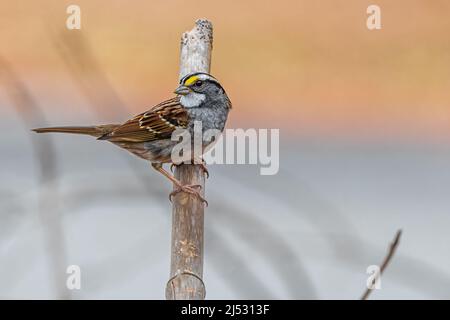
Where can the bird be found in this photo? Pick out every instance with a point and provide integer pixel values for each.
(199, 98)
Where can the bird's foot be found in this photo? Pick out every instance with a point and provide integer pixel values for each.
(190, 189)
(205, 170)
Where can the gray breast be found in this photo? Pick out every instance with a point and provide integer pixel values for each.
(211, 117)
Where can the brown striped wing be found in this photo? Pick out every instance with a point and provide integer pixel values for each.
(157, 123)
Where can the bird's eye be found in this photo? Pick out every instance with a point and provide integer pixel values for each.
(198, 83)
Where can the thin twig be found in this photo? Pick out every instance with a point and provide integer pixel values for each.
(385, 262)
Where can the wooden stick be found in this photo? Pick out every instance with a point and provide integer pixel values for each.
(385, 262)
(186, 270)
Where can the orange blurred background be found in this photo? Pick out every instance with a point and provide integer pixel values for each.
(310, 67)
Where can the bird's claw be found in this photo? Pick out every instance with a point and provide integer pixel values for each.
(205, 170)
(190, 189)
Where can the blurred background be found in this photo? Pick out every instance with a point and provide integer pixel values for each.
(364, 119)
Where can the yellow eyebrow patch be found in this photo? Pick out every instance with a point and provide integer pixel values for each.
(190, 80)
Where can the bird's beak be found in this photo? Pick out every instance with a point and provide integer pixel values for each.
(182, 90)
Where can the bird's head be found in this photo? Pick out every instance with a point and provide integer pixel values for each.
(196, 88)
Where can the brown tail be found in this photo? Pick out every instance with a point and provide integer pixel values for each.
(95, 131)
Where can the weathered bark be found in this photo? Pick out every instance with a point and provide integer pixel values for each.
(186, 269)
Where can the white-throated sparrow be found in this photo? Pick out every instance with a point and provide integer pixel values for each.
(200, 97)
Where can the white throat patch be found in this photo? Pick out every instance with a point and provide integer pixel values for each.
(192, 100)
